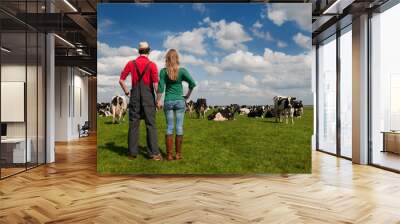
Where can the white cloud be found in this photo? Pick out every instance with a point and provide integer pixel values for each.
(206, 20)
(188, 41)
(187, 59)
(276, 70)
(227, 35)
(302, 40)
(212, 69)
(257, 32)
(225, 87)
(244, 61)
(300, 13)
(262, 35)
(103, 24)
(281, 44)
(257, 25)
(199, 7)
(112, 60)
(104, 50)
(250, 80)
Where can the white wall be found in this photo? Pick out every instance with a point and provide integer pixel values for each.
(70, 83)
(62, 81)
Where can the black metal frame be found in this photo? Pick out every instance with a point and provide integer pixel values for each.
(337, 34)
(44, 70)
(338, 98)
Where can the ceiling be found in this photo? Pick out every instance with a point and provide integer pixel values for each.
(76, 22)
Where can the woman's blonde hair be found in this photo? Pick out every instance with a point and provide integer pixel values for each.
(172, 64)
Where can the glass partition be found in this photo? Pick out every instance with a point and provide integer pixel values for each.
(346, 92)
(22, 78)
(41, 97)
(327, 95)
(13, 88)
(385, 89)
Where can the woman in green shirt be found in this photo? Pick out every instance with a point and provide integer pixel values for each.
(171, 78)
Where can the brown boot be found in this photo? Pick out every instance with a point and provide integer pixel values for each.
(168, 146)
(178, 147)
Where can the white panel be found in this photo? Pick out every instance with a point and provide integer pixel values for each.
(12, 101)
(395, 102)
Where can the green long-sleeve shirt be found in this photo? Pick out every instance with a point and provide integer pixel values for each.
(174, 89)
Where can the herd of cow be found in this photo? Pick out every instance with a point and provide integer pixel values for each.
(284, 108)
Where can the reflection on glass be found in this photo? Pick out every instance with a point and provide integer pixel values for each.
(346, 93)
(41, 98)
(327, 96)
(13, 84)
(385, 89)
(31, 97)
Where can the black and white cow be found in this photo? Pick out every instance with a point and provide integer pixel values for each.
(104, 109)
(298, 108)
(284, 108)
(118, 108)
(190, 107)
(222, 115)
(256, 111)
(201, 107)
(269, 112)
(235, 108)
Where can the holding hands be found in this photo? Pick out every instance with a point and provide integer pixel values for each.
(158, 104)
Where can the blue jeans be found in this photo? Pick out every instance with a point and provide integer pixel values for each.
(176, 107)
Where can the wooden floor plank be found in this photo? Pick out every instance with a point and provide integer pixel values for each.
(70, 191)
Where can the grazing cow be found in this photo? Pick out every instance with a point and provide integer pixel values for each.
(256, 111)
(284, 108)
(298, 108)
(190, 107)
(235, 108)
(269, 112)
(118, 108)
(201, 107)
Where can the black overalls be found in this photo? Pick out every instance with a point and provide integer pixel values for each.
(142, 106)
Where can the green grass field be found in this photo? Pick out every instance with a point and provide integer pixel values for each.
(242, 146)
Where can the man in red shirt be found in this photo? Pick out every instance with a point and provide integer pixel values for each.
(144, 79)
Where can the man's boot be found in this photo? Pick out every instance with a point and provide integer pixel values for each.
(168, 146)
(178, 147)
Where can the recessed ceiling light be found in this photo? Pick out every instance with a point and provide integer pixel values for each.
(5, 50)
(70, 5)
(86, 72)
(64, 40)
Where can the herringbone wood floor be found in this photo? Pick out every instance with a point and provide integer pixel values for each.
(70, 191)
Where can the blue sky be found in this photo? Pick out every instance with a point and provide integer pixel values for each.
(237, 53)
